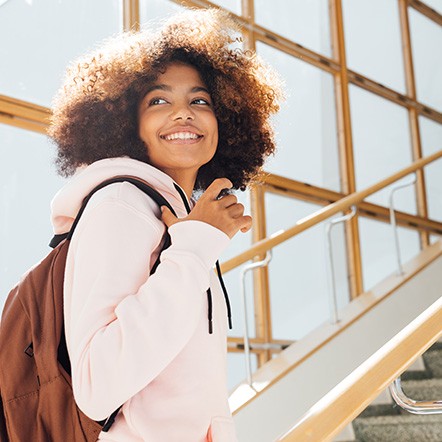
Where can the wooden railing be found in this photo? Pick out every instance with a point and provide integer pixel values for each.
(343, 403)
(261, 247)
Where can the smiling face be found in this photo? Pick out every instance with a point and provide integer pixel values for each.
(177, 124)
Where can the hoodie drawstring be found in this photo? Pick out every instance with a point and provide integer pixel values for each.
(220, 278)
(226, 295)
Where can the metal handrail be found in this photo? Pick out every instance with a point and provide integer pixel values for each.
(334, 319)
(410, 405)
(262, 246)
(244, 270)
(393, 220)
(349, 398)
(396, 391)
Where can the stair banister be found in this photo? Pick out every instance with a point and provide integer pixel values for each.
(393, 219)
(410, 405)
(343, 403)
(334, 317)
(262, 246)
(244, 270)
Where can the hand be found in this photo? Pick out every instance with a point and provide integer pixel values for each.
(225, 213)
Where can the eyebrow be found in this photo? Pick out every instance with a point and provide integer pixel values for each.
(165, 87)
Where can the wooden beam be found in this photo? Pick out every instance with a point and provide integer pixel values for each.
(413, 118)
(22, 124)
(426, 10)
(261, 285)
(345, 140)
(332, 209)
(131, 15)
(24, 110)
(392, 95)
(273, 39)
(25, 115)
(317, 195)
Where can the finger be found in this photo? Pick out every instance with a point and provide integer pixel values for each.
(216, 187)
(168, 217)
(228, 200)
(236, 210)
(246, 223)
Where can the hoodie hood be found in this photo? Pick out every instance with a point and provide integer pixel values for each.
(67, 201)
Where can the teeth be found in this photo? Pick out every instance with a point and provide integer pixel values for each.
(182, 136)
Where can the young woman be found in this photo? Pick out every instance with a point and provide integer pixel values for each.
(182, 111)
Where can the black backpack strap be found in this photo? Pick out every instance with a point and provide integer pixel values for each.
(57, 239)
(142, 185)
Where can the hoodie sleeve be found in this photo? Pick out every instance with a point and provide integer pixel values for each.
(123, 327)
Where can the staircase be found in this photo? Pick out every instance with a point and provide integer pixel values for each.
(389, 423)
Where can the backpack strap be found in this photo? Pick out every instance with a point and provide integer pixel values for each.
(57, 239)
(138, 182)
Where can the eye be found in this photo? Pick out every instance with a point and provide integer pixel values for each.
(156, 101)
(201, 101)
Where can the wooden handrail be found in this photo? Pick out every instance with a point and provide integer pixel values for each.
(24, 109)
(343, 204)
(343, 403)
(288, 187)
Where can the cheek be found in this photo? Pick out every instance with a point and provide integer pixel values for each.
(215, 133)
(145, 129)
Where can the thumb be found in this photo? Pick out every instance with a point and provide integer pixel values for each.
(168, 217)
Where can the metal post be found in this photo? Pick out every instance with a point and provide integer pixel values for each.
(410, 405)
(244, 270)
(393, 220)
(331, 270)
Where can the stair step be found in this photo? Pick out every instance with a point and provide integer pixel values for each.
(381, 410)
(433, 360)
(412, 375)
(423, 390)
(418, 390)
(389, 423)
(409, 428)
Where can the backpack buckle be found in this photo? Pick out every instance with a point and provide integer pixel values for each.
(29, 350)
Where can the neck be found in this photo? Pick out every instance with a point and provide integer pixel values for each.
(185, 181)
(188, 189)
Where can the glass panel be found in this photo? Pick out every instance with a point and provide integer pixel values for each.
(426, 43)
(41, 38)
(434, 238)
(378, 250)
(298, 270)
(306, 125)
(306, 23)
(431, 135)
(239, 243)
(25, 229)
(381, 144)
(157, 9)
(434, 4)
(373, 41)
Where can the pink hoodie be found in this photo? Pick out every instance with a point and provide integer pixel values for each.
(137, 340)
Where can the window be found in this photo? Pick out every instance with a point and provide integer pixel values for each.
(39, 39)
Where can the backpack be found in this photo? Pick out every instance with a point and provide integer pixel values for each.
(36, 398)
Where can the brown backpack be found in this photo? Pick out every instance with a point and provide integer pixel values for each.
(36, 399)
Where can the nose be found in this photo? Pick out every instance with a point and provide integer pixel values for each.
(183, 112)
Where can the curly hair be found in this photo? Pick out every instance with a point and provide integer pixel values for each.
(95, 112)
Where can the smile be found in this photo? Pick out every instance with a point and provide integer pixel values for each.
(181, 136)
